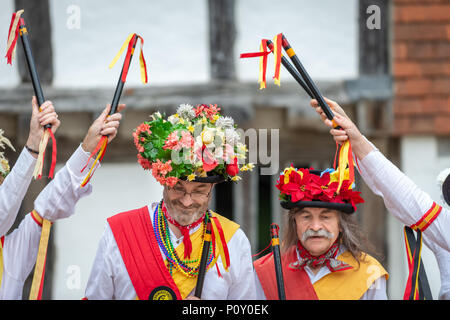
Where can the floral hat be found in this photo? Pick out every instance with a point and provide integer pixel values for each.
(4, 164)
(195, 144)
(318, 189)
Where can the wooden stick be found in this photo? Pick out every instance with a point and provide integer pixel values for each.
(203, 261)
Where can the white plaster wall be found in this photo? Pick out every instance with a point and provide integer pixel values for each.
(324, 34)
(175, 34)
(421, 163)
(116, 188)
(9, 76)
(86, 35)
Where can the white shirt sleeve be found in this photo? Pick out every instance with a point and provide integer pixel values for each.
(14, 188)
(242, 285)
(59, 197)
(20, 250)
(100, 285)
(402, 197)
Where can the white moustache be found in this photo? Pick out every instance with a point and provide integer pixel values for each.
(319, 233)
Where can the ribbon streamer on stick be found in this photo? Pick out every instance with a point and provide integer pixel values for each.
(285, 62)
(302, 77)
(130, 44)
(17, 27)
(345, 157)
(262, 54)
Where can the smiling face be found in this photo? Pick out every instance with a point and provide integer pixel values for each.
(187, 201)
(317, 229)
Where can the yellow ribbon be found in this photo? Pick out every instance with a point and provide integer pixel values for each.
(343, 163)
(99, 154)
(142, 65)
(36, 287)
(262, 69)
(277, 58)
(125, 45)
(37, 173)
(219, 245)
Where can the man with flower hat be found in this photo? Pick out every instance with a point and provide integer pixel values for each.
(323, 249)
(154, 252)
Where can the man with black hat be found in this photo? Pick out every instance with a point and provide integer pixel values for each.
(402, 197)
(154, 252)
(323, 248)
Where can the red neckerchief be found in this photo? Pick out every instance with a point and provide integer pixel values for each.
(184, 230)
(328, 259)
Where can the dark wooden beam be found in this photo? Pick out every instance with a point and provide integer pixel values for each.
(222, 35)
(374, 53)
(37, 18)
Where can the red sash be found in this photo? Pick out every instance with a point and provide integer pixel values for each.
(296, 282)
(139, 249)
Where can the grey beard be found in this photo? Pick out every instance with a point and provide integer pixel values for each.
(319, 233)
(186, 219)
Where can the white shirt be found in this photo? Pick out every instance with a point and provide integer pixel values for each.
(14, 188)
(109, 278)
(377, 291)
(56, 201)
(402, 197)
(408, 203)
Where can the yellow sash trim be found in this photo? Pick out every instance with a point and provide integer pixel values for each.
(184, 283)
(350, 284)
(36, 288)
(427, 218)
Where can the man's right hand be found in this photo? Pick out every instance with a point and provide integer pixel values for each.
(39, 119)
(360, 146)
(104, 125)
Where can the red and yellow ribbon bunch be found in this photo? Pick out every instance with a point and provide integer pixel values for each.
(130, 44)
(262, 54)
(16, 27)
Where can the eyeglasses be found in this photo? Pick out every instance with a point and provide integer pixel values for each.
(195, 195)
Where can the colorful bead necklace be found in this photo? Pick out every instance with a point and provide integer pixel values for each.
(161, 228)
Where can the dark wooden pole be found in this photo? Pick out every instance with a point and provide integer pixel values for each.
(222, 36)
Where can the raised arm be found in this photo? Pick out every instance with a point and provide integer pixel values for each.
(402, 197)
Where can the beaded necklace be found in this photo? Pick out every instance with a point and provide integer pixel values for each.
(162, 232)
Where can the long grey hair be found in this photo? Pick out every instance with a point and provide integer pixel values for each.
(351, 236)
